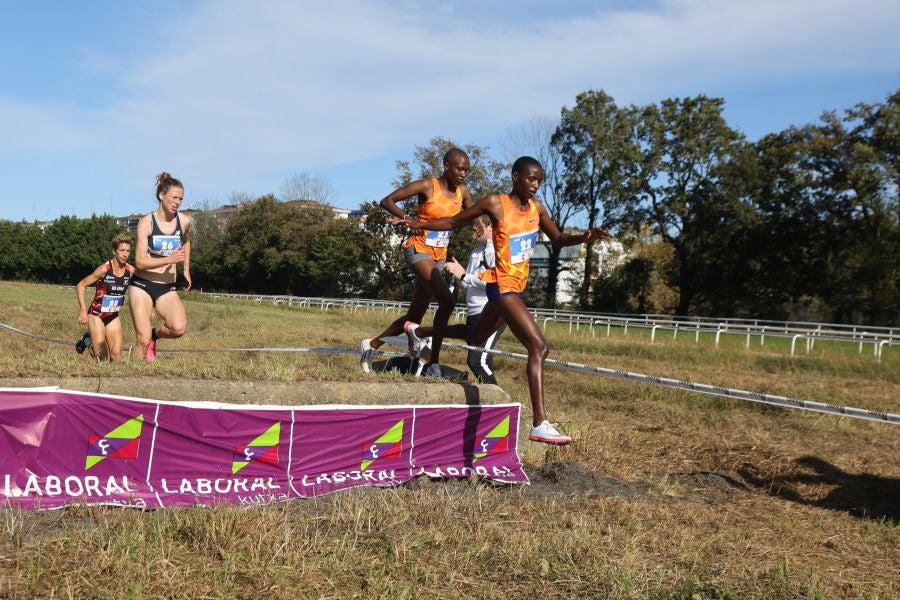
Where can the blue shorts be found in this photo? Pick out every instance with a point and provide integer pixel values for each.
(493, 292)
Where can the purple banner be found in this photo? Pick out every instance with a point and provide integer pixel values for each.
(59, 447)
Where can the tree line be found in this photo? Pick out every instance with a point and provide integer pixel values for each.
(800, 224)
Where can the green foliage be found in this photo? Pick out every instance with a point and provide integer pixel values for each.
(626, 289)
(598, 147)
(277, 248)
(388, 277)
(826, 199)
(486, 176)
(207, 247)
(802, 224)
(64, 252)
(687, 147)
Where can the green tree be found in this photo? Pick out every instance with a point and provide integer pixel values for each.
(486, 176)
(639, 283)
(388, 278)
(597, 142)
(536, 139)
(20, 250)
(72, 247)
(207, 248)
(685, 145)
(852, 166)
(278, 248)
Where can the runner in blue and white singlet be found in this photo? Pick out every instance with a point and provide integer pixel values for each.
(163, 242)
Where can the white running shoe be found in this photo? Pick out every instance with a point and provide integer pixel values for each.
(366, 355)
(416, 344)
(547, 433)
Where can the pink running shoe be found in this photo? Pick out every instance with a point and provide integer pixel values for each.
(151, 351)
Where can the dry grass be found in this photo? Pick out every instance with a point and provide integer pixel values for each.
(737, 500)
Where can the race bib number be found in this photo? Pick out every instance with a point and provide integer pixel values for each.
(437, 239)
(164, 245)
(521, 246)
(111, 304)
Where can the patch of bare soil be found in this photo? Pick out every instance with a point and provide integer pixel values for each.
(571, 478)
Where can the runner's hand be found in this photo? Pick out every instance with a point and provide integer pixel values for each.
(453, 267)
(404, 220)
(177, 256)
(596, 233)
(414, 225)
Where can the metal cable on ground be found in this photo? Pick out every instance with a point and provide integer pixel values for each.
(715, 390)
(35, 336)
(690, 386)
(312, 350)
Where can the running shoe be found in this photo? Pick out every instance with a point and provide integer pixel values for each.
(151, 351)
(416, 344)
(366, 354)
(547, 433)
(83, 343)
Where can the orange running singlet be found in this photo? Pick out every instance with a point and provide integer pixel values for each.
(515, 237)
(438, 205)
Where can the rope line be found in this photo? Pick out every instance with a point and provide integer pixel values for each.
(690, 386)
(35, 336)
(703, 388)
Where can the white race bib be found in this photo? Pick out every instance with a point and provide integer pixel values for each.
(521, 246)
(164, 245)
(111, 304)
(437, 239)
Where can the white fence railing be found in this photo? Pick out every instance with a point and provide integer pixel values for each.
(751, 329)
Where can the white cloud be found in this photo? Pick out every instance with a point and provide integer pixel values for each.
(329, 83)
(239, 90)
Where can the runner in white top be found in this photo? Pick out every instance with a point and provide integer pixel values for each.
(481, 259)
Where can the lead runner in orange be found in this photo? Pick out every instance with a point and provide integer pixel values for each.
(517, 219)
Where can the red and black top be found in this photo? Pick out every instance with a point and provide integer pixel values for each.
(110, 294)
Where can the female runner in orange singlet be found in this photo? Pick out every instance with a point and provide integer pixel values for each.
(426, 251)
(517, 218)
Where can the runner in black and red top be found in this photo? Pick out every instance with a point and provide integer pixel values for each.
(112, 278)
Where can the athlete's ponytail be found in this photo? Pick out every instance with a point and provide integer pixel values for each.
(164, 181)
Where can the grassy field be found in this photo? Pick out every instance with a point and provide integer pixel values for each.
(664, 494)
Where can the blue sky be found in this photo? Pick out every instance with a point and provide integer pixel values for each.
(98, 97)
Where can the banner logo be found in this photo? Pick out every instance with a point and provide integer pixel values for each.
(121, 442)
(495, 442)
(263, 449)
(389, 445)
